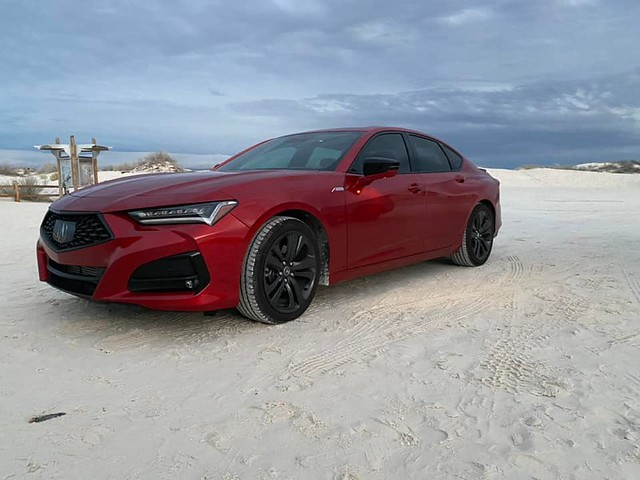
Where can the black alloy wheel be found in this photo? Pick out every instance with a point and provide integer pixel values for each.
(477, 239)
(281, 271)
(481, 234)
(290, 271)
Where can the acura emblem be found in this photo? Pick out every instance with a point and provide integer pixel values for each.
(63, 231)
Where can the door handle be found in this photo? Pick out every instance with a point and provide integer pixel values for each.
(459, 178)
(415, 188)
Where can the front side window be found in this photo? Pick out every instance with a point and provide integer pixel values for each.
(429, 156)
(303, 151)
(387, 145)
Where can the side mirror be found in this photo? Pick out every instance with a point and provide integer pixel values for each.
(379, 165)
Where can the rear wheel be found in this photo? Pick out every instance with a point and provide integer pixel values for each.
(280, 272)
(477, 239)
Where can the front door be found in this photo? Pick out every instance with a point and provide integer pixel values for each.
(386, 217)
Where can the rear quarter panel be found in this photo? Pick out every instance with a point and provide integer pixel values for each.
(486, 187)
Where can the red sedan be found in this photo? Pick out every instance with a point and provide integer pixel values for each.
(262, 230)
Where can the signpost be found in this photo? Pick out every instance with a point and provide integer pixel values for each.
(77, 163)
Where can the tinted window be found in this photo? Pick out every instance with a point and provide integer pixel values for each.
(429, 156)
(304, 151)
(387, 145)
(454, 159)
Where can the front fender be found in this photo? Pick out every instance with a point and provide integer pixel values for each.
(314, 195)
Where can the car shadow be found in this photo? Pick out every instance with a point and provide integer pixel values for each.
(111, 327)
(371, 288)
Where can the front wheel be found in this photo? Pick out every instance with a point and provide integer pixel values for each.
(477, 239)
(281, 272)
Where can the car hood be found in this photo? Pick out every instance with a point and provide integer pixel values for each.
(157, 190)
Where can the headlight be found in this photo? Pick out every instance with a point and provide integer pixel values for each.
(208, 213)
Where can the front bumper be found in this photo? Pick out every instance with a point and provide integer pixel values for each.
(103, 272)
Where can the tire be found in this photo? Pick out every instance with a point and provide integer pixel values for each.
(477, 239)
(280, 272)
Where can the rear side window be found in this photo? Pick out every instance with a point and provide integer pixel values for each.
(454, 159)
(387, 145)
(429, 156)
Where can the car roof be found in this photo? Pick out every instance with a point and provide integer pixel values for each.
(352, 129)
(370, 130)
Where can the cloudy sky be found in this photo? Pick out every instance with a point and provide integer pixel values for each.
(508, 82)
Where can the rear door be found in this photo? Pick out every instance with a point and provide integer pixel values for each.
(385, 218)
(448, 199)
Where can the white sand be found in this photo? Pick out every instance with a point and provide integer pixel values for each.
(524, 368)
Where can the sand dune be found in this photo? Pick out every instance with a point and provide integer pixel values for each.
(524, 368)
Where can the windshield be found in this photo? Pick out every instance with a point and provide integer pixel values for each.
(304, 151)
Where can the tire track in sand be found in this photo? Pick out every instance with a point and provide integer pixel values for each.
(516, 269)
(380, 326)
(632, 384)
(177, 329)
(633, 283)
(510, 363)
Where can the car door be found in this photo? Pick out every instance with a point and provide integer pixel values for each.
(385, 218)
(448, 199)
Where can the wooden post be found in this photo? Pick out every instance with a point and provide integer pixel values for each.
(16, 191)
(57, 155)
(94, 165)
(58, 161)
(75, 174)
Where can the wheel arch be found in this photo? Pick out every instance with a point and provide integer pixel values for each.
(309, 217)
(477, 201)
(491, 206)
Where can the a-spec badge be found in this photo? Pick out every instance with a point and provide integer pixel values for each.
(63, 231)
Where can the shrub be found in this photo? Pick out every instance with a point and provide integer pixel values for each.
(31, 190)
(158, 157)
(153, 161)
(6, 169)
(48, 168)
(121, 167)
(157, 161)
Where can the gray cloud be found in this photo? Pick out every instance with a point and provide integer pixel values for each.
(510, 82)
(498, 125)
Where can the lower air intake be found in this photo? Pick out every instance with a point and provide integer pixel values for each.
(186, 272)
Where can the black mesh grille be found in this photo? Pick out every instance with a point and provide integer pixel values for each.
(76, 279)
(79, 270)
(90, 229)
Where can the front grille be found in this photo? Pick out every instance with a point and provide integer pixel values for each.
(76, 279)
(90, 229)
